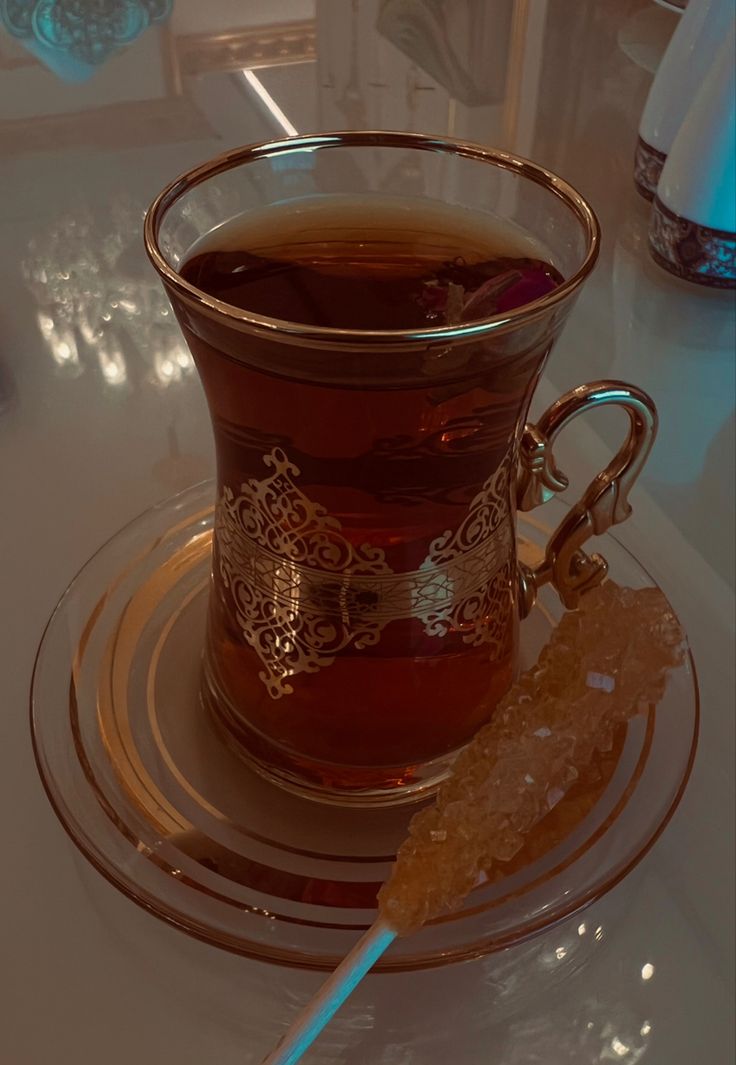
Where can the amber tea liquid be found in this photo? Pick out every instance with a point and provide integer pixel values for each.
(352, 677)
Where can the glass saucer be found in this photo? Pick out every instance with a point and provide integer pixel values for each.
(151, 795)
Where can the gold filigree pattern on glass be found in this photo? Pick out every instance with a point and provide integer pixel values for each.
(303, 592)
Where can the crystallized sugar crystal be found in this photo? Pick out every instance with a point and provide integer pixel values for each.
(604, 663)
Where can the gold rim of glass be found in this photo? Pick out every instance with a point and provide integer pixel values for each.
(298, 332)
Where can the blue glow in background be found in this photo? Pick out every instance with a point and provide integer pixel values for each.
(73, 38)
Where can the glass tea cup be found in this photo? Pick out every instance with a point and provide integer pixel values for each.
(366, 593)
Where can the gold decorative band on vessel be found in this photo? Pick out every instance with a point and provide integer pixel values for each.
(303, 592)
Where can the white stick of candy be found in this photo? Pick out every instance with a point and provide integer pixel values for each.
(336, 988)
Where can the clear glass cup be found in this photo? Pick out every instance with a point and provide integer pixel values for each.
(366, 594)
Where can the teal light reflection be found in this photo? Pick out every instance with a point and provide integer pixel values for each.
(73, 38)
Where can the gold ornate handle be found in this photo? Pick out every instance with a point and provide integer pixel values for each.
(603, 504)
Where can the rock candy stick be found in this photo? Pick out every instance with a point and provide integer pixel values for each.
(604, 663)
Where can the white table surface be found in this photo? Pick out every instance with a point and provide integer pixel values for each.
(88, 439)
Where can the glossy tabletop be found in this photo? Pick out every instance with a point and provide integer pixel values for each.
(101, 415)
